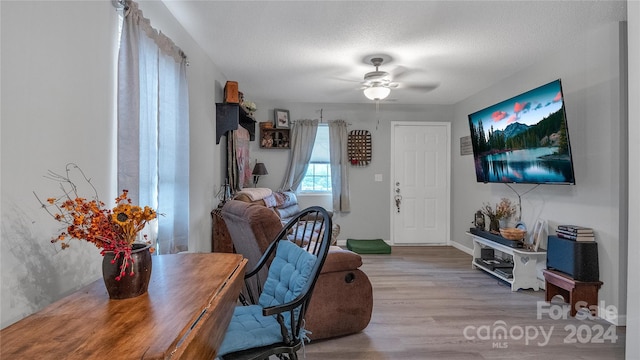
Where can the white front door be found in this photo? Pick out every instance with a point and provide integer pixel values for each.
(420, 169)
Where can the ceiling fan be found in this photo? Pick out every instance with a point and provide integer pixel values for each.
(377, 84)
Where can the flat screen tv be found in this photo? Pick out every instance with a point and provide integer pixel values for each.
(523, 139)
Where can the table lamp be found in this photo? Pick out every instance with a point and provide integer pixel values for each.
(258, 170)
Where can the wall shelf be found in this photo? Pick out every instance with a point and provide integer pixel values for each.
(272, 138)
(229, 116)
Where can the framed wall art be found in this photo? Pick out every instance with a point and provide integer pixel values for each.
(281, 118)
(539, 234)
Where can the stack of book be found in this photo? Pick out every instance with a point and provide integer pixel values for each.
(576, 233)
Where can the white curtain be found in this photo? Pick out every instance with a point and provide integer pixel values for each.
(303, 136)
(339, 165)
(153, 128)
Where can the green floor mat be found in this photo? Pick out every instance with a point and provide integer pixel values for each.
(370, 246)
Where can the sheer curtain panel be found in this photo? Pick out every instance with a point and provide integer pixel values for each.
(303, 136)
(153, 128)
(339, 169)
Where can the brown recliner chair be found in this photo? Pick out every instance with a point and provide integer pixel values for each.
(342, 300)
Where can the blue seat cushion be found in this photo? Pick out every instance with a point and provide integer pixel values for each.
(288, 274)
(249, 329)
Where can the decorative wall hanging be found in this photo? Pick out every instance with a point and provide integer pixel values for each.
(359, 147)
(281, 118)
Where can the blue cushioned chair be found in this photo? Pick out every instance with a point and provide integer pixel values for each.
(275, 324)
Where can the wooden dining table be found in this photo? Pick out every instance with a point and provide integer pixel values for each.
(183, 315)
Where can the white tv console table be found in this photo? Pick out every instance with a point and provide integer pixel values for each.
(526, 263)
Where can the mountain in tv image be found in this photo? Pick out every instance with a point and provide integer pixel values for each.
(523, 139)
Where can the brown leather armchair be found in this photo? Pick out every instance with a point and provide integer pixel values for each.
(342, 300)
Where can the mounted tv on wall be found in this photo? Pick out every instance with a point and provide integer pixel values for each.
(523, 139)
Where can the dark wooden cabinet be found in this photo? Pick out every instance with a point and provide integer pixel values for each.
(229, 116)
(271, 138)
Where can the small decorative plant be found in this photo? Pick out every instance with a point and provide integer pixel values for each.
(504, 210)
(250, 106)
(109, 229)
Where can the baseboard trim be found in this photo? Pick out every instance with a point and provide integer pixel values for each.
(617, 319)
(461, 247)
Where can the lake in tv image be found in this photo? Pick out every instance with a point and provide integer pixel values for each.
(523, 139)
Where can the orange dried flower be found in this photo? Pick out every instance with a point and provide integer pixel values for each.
(112, 230)
(503, 210)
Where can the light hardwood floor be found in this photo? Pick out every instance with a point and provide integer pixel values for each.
(425, 298)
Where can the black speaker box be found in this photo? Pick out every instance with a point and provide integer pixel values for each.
(578, 259)
(487, 254)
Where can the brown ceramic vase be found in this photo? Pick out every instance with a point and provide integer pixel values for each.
(128, 286)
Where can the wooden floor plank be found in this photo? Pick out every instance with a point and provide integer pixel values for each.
(425, 297)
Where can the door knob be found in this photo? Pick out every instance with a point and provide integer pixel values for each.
(398, 199)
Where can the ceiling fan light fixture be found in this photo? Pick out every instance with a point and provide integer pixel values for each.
(377, 92)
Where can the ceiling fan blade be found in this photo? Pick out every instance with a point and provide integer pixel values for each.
(420, 87)
(344, 79)
(401, 72)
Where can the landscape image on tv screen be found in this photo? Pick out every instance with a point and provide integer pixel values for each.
(523, 139)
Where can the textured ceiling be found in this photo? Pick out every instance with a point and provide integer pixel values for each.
(316, 51)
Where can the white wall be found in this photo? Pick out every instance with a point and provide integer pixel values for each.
(58, 85)
(633, 273)
(371, 201)
(57, 107)
(590, 73)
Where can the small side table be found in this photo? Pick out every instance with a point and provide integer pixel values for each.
(572, 291)
(220, 238)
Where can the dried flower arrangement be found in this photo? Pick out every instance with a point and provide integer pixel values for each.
(111, 230)
(503, 210)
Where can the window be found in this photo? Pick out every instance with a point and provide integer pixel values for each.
(153, 111)
(317, 179)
